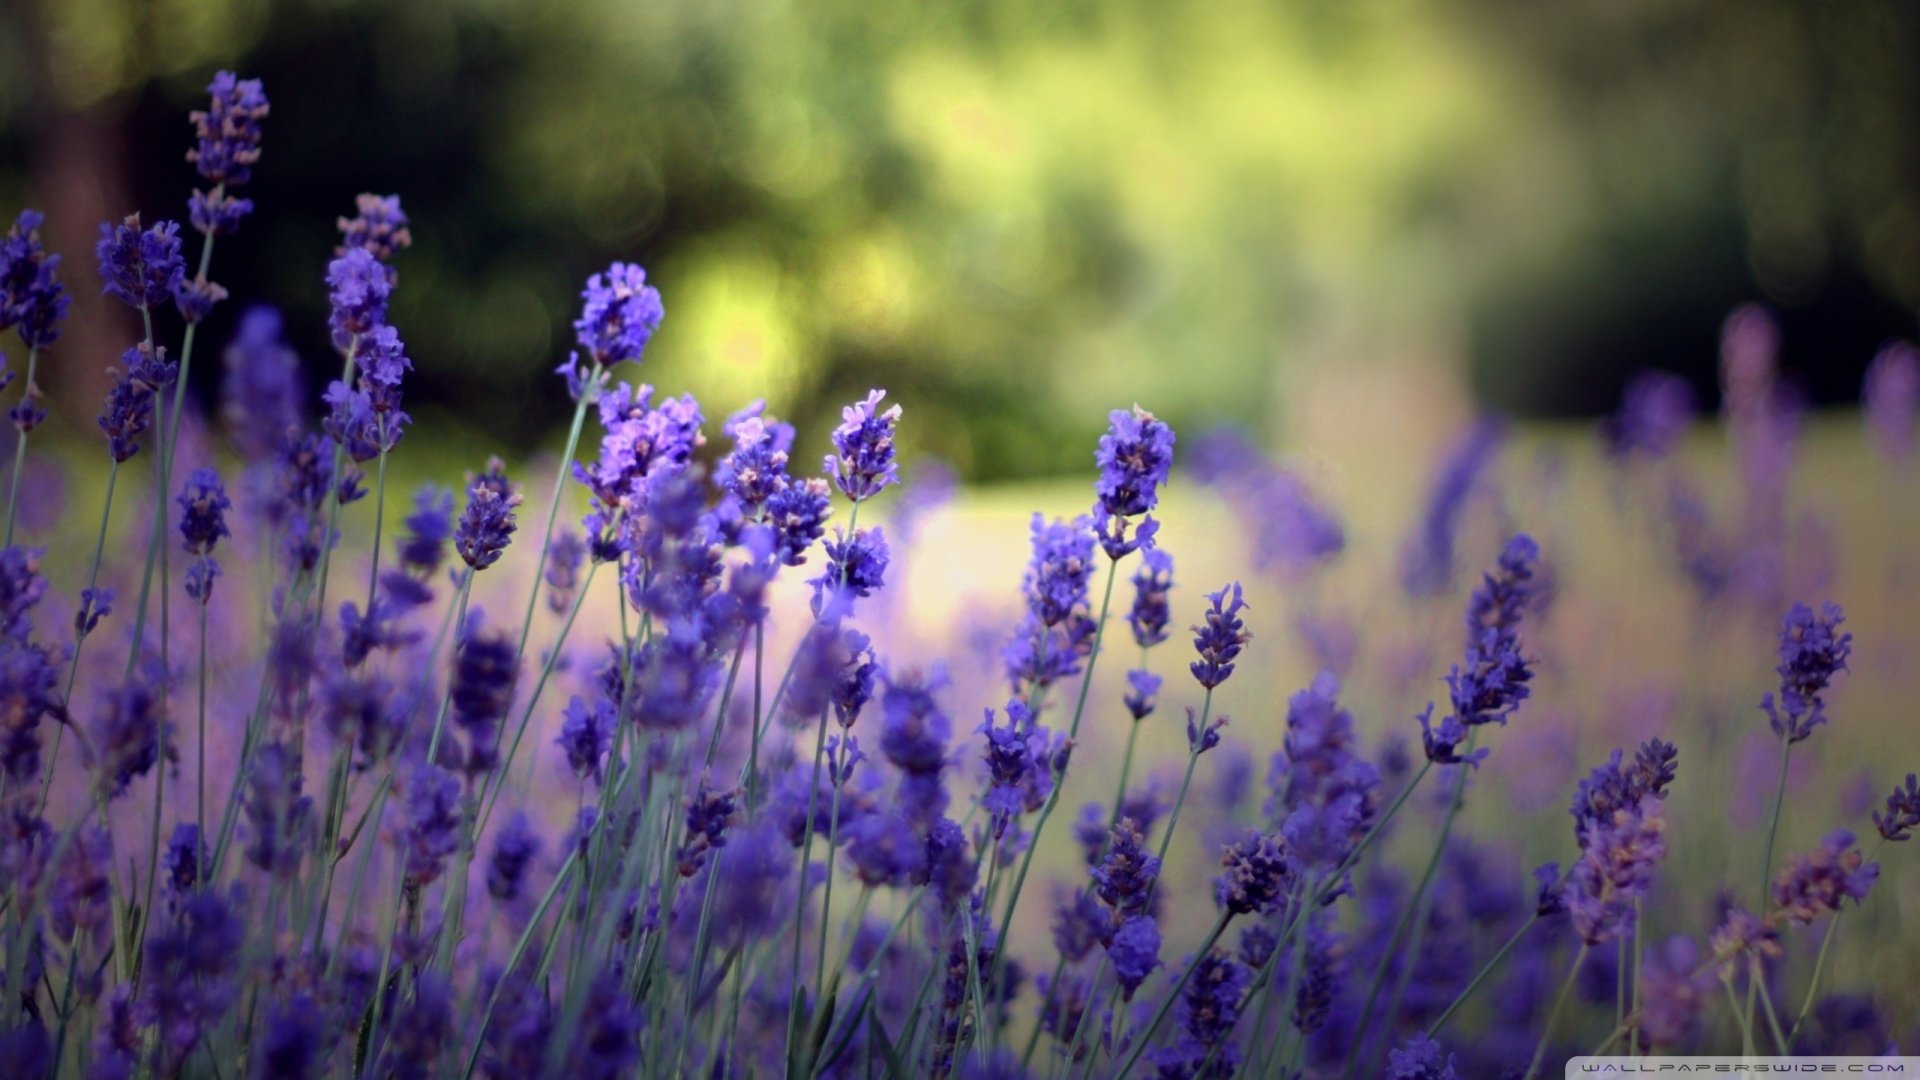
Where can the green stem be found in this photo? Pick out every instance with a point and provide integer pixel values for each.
(1773, 822)
(80, 639)
(200, 842)
(1553, 1017)
(806, 859)
(513, 958)
(1059, 779)
(1491, 966)
(1766, 1001)
(1415, 904)
(553, 505)
(20, 448)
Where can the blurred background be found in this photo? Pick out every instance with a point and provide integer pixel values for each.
(1308, 218)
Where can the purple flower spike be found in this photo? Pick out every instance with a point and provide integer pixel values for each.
(1221, 638)
(1257, 873)
(1150, 612)
(141, 266)
(619, 313)
(1135, 456)
(1890, 397)
(357, 294)
(1420, 1059)
(1903, 811)
(1135, 952)
(488, 523)
(379, 226)
(865, 463)
(1814, 884)
(1654, 416)
(1812, 652)
(32, 300)
(226, 147)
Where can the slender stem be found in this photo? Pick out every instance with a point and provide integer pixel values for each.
(79, 638)
(553, 505)
(1813, 984)
(1488, 969)
(806, 859)
(1773, 821)
(1059, 780)
(560, 878)
(200, 853)
(753, 747)
(1166, 1003)
(1415, 904)
(826, 888)
(1553, 1017)
(1186, 782)
(1739, 1017)
(1766, 1001)
(20, 448)
(379, 518)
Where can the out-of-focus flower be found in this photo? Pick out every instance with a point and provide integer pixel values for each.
(1654, 415)
(1427, 558)
(1814, 884)
(1150, 612)
(378, 225)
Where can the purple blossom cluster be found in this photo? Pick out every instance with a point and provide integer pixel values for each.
(365, 810)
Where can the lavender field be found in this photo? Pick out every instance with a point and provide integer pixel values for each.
(706, 746)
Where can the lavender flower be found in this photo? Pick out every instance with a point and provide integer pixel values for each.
(487, 524)
(564, 558)
(1621, 827)
(1135, 952)
(1222, 637)
(1654, 416)
(1890, 397)
(618, 315)
(1135, 456)
(1492, 681)
(640, 443)
(279, 818)
(798, 513)
(1814, 884)
(1420, 1059)
(1015, 752)
(486, 667)
(129, 738)
(1427, 559)
(864, 464)
(226, 147)
(141, 266)
(1258, 871)
(261, 392)
(357, 293)
(32, 300)
(856, 569)
(709, 815)
(514, 849)
(203, 511)
(1903, 812)
(379, 226)
(1143, 693)
(129, 410)
(1125, 877)
(1812, 651)
(189, 977)
(1743, 935)
(1150, 612)
(586, 736)
(432, 823)
(1292, 529)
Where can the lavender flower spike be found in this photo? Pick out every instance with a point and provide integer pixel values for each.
(864, 465)
(1222, 637)
(1812, 652)
(1135, 456)
(141, 266)
(32, 299)
(488, 523)
(226, 147)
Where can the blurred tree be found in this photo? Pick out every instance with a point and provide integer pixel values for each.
(1016, 216)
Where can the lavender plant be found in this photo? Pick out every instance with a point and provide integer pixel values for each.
(699, 866)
